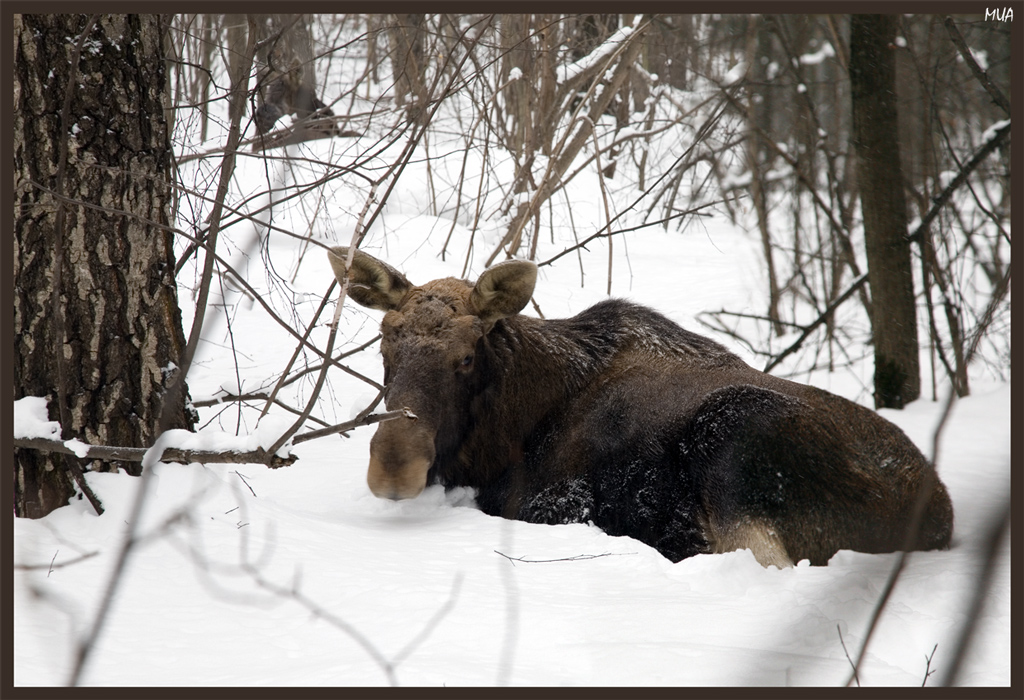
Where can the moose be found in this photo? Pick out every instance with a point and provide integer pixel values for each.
(623, 419)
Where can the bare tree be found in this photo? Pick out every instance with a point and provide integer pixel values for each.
(97, 324)
(875, 129)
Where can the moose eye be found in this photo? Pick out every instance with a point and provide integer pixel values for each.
(467, 362)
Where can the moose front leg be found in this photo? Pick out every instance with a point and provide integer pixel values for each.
(568, 501)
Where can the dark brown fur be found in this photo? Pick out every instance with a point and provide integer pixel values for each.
(619, 417)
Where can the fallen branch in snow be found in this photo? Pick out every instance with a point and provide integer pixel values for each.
(239, 475)
(578, 557)
(135, 454)
(187, 456)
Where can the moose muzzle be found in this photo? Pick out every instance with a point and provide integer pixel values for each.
(401, 453)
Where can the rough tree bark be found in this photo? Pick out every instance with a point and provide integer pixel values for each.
(96, 319)
(879, 176)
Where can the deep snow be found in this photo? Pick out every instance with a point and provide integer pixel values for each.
(626, 616)
(341, 588)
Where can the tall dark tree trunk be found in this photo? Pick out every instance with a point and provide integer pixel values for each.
(758, 119)
(96, 319)
(879, 176)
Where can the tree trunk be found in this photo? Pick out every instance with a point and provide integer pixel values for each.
(96, 319)
(879, 176)
(406, 36)
(758, 42)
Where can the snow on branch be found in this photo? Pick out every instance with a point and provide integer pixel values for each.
(34, 430)
(170, 454)
(994, 137)
(591, 61)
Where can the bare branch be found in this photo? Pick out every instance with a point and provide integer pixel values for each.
(354, 423)
(236, 102)
(857, 284)
(567, 149)
(605, 233)
(252, 396)
(257, 456)
(997, 95)
(997, 140)
(855, 676)
(578, 557)
(135, 454)
(51, 566)
(928, 670)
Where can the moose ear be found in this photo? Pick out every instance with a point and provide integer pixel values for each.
(374, 283)
(503, 290)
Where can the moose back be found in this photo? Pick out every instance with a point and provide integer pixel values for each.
(619, 417)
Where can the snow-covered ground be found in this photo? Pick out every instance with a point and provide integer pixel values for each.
(248, 576)
(611, 612)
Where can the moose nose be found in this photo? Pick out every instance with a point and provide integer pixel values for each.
(407, 481)
(399, 461)
(387, 492)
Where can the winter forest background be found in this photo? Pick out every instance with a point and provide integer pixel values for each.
(732, 171)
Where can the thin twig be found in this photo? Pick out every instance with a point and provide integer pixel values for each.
(567, 149)
(298, 348)
(236, 108)
(51, 566)
(354, 423)
(242, 477)
(855, 676)
(756, 317)
(928, 665)
(606, 233)
(236, 277)
(293, 592)
(578, 557)
(431, 624)
(822, 318)
(253, 396)
(357, 235)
